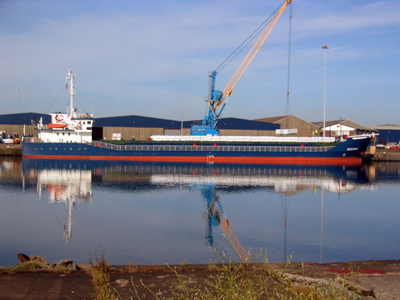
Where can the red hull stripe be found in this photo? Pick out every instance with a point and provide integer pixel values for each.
(221, 159)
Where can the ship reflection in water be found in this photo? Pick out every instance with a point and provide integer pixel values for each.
(65, 186)
(153, 213)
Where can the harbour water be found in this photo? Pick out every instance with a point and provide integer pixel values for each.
(191, 213)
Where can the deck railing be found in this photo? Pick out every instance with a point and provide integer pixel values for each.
(211, 148)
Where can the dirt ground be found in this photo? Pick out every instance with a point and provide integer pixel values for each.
(375, 279)
(380, 277)
(370, 280)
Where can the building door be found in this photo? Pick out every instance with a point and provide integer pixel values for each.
(172, 131)
(97, 133)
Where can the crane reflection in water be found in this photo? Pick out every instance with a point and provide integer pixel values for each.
(284, 180)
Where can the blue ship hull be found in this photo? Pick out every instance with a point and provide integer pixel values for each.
(348, 152)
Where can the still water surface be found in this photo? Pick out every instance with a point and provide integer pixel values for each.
(173, 213)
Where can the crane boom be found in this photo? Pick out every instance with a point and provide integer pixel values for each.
(216, 98)
(246, 62)
(231, 236)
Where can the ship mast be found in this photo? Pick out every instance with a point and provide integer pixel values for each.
(68, 233)
(70, 77)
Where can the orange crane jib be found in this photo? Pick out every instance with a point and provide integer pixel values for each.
(231, 236)
(246, 62)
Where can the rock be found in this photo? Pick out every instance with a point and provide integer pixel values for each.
(122, 282)
(23, 257)
(84, 267)
(40, 261)
(64, 264)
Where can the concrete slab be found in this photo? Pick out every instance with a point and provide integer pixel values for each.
(35, 286)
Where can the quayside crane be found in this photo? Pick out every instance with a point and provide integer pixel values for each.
(218, 99)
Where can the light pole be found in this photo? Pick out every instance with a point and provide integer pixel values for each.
(326, 48)
(18, 88)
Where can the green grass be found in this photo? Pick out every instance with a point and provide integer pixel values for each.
(28, 266)
(226, 279)
(245, 281)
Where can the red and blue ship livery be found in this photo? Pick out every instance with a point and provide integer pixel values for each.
(347, 152)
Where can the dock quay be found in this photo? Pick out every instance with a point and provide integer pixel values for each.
(10, 149)
(386, 156)
(371, 280)
(382, 155)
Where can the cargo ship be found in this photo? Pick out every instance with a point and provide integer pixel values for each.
(69, 137)
(347, 152)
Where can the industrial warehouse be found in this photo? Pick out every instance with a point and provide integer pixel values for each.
(141, 127)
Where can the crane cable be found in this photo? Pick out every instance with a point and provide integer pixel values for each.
(287, 106)
(48, 109)
(247, 41)
(83, 104)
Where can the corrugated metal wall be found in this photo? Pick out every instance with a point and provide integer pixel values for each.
(227, 132)
(13, 123)
(127, 133)
(17, 129)
(304, 128)
(389, 136)
(172, 131)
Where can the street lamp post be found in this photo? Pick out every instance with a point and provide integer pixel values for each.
(326, 48)
(18, 88)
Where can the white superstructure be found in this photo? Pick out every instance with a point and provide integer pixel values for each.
(67, 128)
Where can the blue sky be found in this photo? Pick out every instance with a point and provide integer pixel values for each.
(152, 58)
